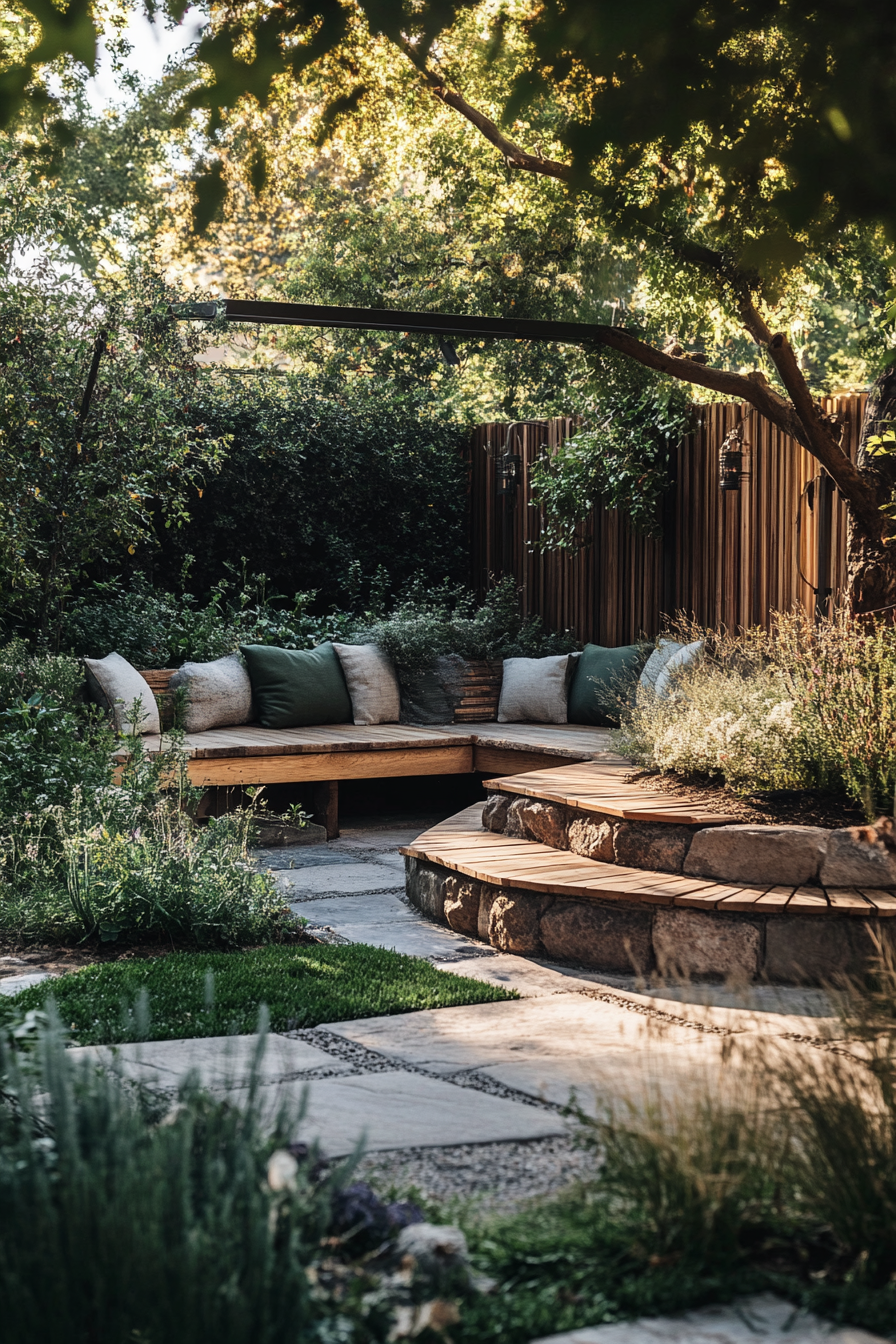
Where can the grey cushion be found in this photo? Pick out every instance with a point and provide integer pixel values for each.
(534, 689)
(218, 694)
(664, 650)
(115, 684)
(371, 681)
(682, 657)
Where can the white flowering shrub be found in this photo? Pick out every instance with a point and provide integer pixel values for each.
(732, 716)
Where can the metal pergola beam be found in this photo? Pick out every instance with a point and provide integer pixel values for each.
(384, 319)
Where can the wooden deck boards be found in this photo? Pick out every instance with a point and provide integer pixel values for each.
(601, 787)
(461, 844)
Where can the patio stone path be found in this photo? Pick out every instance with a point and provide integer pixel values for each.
(460, 1079)
(762, 1319)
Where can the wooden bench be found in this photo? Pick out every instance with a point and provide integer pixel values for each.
(251, 755)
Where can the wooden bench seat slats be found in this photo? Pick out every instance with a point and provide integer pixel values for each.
(462, 845)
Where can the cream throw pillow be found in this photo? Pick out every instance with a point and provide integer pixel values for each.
(115, 685)
(534, 689)
(218, 694)
(371, 681)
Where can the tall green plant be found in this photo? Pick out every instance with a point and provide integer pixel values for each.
(126, 1217)
(84, 485)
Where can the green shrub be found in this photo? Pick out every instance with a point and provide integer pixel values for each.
(124, 859)
(323, 491)
(126, 1220)
(152, 628)
(433, 621)
(52, 677)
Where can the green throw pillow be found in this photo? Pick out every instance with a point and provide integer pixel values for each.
(599, 679)
(292, 688)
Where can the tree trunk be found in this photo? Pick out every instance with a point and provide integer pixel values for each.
(871, 560)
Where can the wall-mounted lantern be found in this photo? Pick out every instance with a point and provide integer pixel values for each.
(731, 458)
(508, 469)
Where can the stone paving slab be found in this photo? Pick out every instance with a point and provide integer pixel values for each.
(558, 1027)
(339, 877)
(762, 1319)
(11, 984)
(408, 1110)
(218, 1060)
(294, 856)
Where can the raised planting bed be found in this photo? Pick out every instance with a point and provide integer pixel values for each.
(579, 865)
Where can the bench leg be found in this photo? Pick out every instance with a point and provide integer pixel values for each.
(326, 807)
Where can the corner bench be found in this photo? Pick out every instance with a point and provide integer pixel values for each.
(252, 755)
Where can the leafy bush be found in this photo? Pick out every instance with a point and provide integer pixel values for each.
(81, 491)
(152, 628)
(213, 993)
(433, 621)
(127, 861)
(803, 705)
(323, 492)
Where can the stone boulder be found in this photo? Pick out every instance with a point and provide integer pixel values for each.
(716, 947)
(513, 921)
(758, 855)
(591, 837)
(653, 846)
(513, 823)
(855, 858)
(611, 937)
(494, 814)
(462, 896)
(544, 822)
(425, 886)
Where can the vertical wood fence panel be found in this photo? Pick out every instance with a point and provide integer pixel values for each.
(725, 557)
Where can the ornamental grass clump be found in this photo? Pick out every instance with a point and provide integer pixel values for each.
(803, 705)
(732, 715)
(778, 1171)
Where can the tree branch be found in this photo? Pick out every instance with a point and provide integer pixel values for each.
(819, 439)
(514, 155)
(799, 417)
(738, 386)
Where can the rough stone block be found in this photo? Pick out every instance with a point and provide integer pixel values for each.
(817, 950)
(513, 825)
(544, 822)
(425, 888)
(462, 896)
(853, 861)
(603, 936)
(494, 814)
(756, 855)
(637, 844)
(513, 921)
(709, 946)
(591, 837)
(487, 897)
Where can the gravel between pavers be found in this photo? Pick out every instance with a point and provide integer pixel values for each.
(499, 1177)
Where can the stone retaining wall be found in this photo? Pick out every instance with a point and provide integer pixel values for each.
(623, 936)
(752, 855)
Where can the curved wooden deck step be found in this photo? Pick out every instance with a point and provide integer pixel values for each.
(461, 844)
(598, 786)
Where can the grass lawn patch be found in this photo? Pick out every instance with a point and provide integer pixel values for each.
(215, 993)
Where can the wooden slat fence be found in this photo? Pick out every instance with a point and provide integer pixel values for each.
(724, 557)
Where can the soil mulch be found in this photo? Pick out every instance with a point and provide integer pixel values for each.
(804, 808)
(56, 960)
